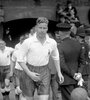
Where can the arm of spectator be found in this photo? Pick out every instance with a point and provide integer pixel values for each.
(81, 60)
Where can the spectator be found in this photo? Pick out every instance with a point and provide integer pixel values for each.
(71, 13)
(70, 7)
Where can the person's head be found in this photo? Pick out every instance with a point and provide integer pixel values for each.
(32, 30)
(79, 94)
(62, 19)
(80, 35)
(22, 38)
(2, 44)
(63, 30)
(42, 26)
(87, 38)
(57, 37)
(69, 4)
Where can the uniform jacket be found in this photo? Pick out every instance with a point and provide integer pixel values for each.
(71, 59)
(86, 70)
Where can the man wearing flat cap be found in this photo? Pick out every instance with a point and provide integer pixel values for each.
(71, 60)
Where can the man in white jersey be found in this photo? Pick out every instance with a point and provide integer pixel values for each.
(5, 57)
(21, 39)
(37, 50)
(18, 70)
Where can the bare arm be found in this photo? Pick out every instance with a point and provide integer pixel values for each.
(12, 68)
(57, 65)
(25, 68)
(55, 56)
(34, 76)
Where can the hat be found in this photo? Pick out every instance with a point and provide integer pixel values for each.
(81, 32)
(63, 27)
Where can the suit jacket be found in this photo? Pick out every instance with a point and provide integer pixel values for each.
(71, 59)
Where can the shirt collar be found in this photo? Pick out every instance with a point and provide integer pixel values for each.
(47, 38)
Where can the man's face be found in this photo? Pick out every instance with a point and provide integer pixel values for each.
(42, 29)
(62, 34)
(79, 38)
(2, 45)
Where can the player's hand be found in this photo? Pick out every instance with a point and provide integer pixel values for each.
(61, 78)
(35, 76)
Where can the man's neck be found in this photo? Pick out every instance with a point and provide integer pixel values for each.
(41, 39)
(2, 49)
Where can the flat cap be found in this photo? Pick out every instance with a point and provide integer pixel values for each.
(63, 26)
(81, 32)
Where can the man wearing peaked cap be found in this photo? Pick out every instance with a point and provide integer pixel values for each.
(71, 61)
(62, 28)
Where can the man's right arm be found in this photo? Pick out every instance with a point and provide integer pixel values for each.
(25, 68)
(34, 76)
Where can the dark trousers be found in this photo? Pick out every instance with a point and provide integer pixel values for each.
(66, 91)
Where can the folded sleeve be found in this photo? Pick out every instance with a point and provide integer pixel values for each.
(22, 52)
(55, 52)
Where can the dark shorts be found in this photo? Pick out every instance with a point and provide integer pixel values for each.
(17, 78)
(4, 70)
(42, 86)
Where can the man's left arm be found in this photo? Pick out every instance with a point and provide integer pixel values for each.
(82, 60)
(55, 56)
(78, 76)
